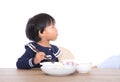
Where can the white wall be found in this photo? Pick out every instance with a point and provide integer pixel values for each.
(89, 28)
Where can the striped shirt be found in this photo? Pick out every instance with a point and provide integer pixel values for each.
(26, 60)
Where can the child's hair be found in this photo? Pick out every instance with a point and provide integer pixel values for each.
(37, 24)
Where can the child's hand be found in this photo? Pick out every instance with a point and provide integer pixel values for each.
(39, 57)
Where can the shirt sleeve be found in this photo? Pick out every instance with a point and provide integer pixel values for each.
(26, 61)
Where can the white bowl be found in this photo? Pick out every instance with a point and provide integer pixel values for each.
(57, 69)
(84, 67)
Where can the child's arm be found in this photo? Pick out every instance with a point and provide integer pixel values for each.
(26, 61)
(29, 59)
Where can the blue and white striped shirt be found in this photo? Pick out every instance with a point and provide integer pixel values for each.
(26, 60)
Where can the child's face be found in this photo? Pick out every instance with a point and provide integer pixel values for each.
(50, 33)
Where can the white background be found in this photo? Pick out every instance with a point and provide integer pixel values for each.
(90, 29)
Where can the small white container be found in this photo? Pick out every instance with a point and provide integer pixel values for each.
(84, 67)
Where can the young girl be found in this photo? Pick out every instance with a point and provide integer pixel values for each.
(40, 30)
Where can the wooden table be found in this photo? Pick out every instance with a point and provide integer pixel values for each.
(36, 75)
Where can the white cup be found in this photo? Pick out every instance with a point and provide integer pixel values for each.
(84, 67)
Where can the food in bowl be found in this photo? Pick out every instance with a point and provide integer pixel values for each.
(57, 69)
(69, 62)
(51, 64)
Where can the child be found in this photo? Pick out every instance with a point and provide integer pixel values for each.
(40, 29)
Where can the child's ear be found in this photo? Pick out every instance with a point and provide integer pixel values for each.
(40, 34)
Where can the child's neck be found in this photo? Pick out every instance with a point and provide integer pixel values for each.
(44, 43)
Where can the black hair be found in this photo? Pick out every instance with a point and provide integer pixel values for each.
(37, 24)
